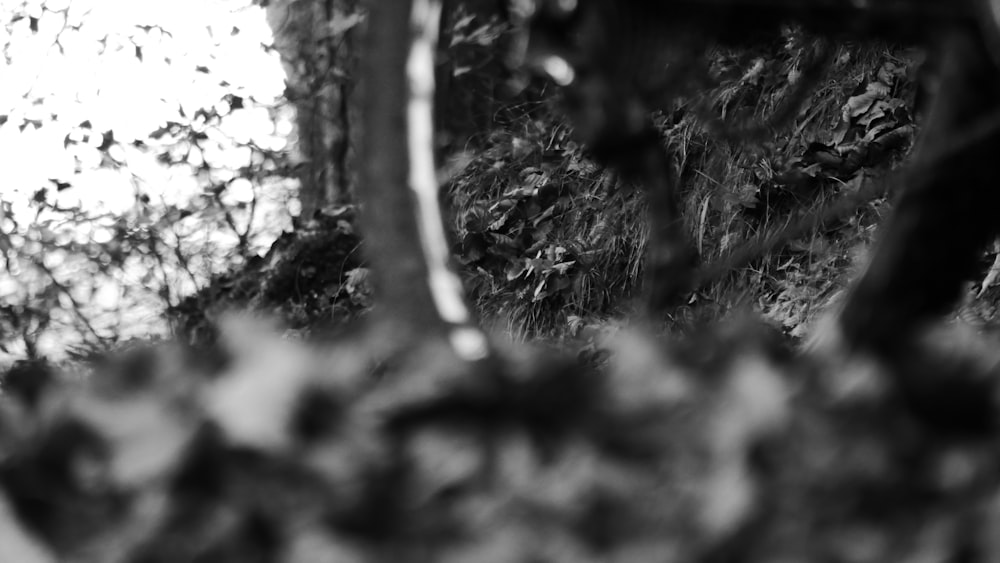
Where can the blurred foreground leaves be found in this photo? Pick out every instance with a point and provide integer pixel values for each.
(722, 447)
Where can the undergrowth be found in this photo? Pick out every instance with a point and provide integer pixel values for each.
(551, 242)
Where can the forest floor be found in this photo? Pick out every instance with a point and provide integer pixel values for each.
(551, 245)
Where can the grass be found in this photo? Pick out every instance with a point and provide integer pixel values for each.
(534, 198)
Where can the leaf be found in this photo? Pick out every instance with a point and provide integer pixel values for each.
(444, 460)
(159, 133)
(341, 24)
(254, 400)
(538, 265)
(503, 240)
(860, 104)
(356, 280)
(874, 132)
(499, 223)
(855, 183)
(515, 269)
(60, 186)
(543, 215)
(107, 140)
(540, 292)
(890, 72)
(878, 110)
(464, 22)
(991, 277)
(148, 436)
(840, 133)
(15, 542)
(564, 267)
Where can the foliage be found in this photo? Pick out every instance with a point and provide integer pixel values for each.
(313, 279)
(690, 450)
(551, 242)
(130, 209)
(716, 447)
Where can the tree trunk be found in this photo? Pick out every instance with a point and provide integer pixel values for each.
(391, 231)
(420, 295)
(315, 39)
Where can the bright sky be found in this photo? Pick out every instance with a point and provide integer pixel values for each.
(81, 65)
(104, 82)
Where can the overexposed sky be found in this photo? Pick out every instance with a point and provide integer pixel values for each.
(82, 65)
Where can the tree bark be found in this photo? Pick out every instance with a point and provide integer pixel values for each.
(316, 41)
(390, 226)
